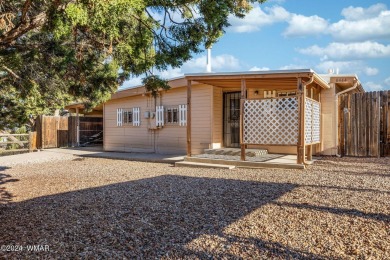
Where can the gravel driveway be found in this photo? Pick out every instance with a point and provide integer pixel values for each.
(101, 208)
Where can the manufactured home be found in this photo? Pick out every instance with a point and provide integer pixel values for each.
(283, 111)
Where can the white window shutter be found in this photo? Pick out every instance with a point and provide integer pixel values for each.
(119, 117)
(136, 117)
(182, 115)
(159, 115)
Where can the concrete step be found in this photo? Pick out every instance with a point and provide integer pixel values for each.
(237, 152)
(246, 164)
(203, 165)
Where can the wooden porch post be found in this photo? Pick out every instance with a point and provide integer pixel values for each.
(243, 98)
(188, 117)
(301, 122)
(310, 152)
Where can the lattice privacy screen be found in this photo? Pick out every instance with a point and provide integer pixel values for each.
(312, 121)
(271, 121)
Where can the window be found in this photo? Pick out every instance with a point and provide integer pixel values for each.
(128, 116)
(172, 115)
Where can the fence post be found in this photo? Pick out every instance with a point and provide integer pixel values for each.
(32, 141)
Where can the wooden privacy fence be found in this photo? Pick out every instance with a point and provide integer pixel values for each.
(61, 131)
(364, 124)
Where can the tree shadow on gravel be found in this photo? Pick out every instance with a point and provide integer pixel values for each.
(148, 218)
(366, 174)
(338, 211)
(346, 188)
(5, 196)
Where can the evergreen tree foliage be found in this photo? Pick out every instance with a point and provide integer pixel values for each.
(52, 52)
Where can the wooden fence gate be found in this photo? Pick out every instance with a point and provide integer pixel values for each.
(52, 131)
(364, 124)
(61, 131)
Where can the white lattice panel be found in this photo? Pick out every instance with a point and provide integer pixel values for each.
(271, 121)
(316, 122)
(312, 121)
(308, 120)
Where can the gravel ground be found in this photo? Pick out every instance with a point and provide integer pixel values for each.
(101, 208)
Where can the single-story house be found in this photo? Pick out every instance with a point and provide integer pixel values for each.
(283, 111)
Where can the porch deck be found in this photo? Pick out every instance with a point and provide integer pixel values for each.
(260, 160)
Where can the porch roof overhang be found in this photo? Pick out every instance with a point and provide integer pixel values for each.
(345, 81)
(80, 106)
(272, 79)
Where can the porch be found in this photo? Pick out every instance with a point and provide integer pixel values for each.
(279, 111)
(231, 157)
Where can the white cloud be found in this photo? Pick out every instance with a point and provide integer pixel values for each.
(220, 63)
(387, 81)
(257, 18)
(371, 71)
(371, 86)
(347, 67)
(224, 62)
(362, 24)
(171, 73)
(358, 13)
(276, 1)
(356, 50)
(255, 68)
(293, 67)
(300, 25)
(359, 24)
(137, 81)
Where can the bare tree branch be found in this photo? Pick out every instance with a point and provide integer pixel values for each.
(23, 28)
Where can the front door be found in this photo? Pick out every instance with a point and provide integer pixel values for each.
(231, 119)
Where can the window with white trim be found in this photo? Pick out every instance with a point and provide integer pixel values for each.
(172, 115)
(128, 116)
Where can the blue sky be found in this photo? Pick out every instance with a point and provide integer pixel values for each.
(351, 36)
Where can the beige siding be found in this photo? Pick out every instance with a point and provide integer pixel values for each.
(329, 125)
(201, 117)
(217, 118)
(127, 138)
(170, 139)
